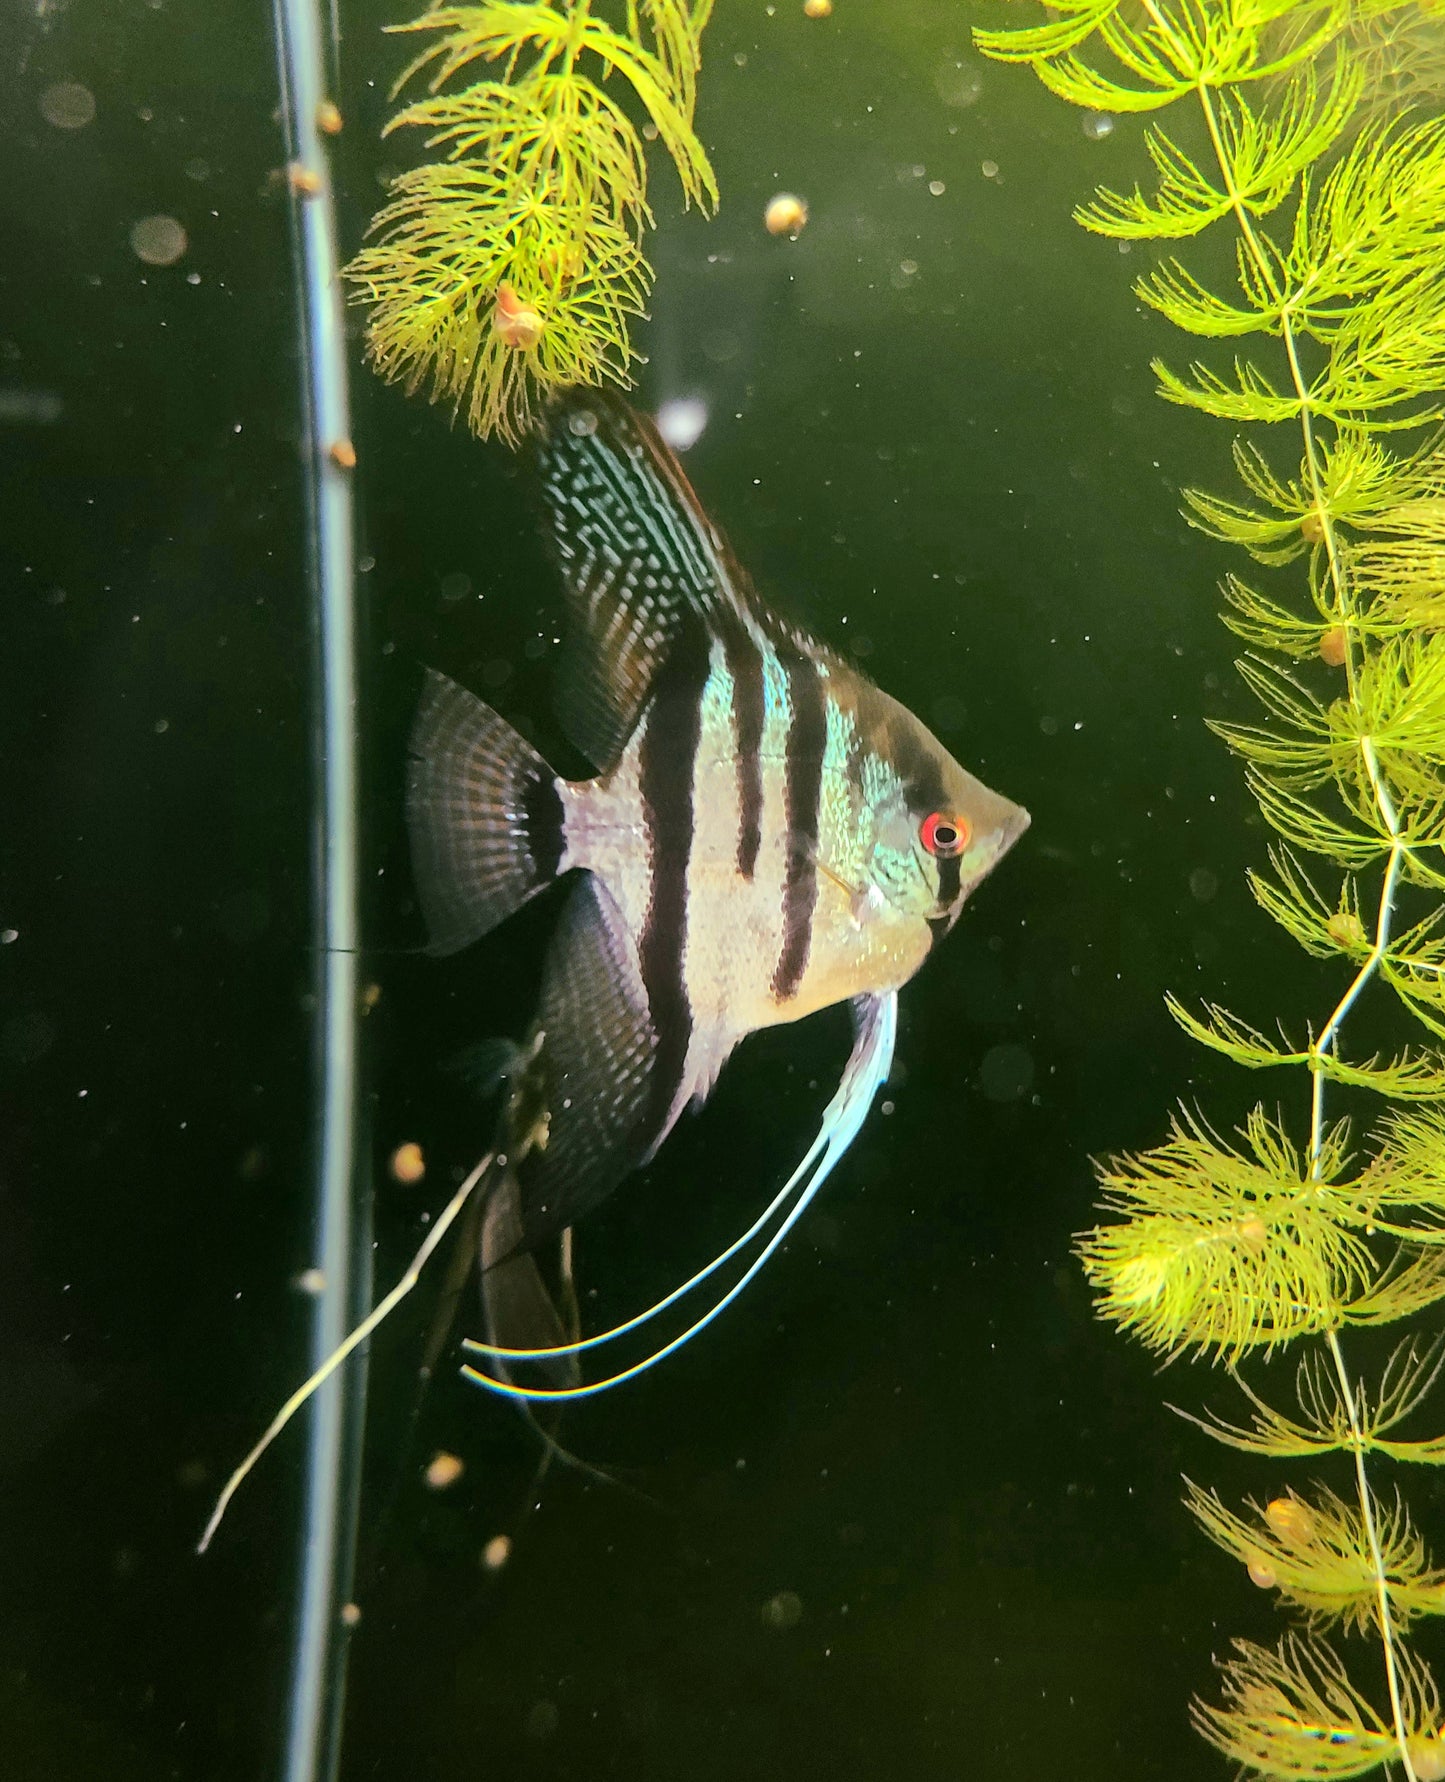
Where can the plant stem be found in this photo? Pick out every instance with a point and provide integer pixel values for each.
(1384, 804)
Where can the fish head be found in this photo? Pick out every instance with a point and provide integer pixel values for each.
(932, 831)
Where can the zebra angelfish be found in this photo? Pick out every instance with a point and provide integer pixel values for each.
(768, 834)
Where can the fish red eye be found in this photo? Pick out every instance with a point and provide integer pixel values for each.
(944, 836)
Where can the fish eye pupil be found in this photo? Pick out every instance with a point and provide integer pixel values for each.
(943, 835)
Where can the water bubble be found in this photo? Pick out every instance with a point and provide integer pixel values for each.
(456, 584)
(1006, 1073)
(783, 1610)
(198, 168)
(158, 240)
(26, 1038)
(989, 169)
(68, 105)
(1097, 124)
(937, 187)
(8, 936)
(681, 420)
(1203, 884)
(543, 1719)
(581, 424)
(720, 346)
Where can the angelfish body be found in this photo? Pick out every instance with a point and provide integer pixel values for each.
(770, 833)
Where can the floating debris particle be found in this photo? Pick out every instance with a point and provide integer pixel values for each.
(343, 454)
(443, 1470)
(351, 1614)
(783, 1610)
(68, 105)
(989, 169)
(1096, 125)
(310, 1280)
(8, 936)
(818, 9)
(328, 118)
(787, 214)
(497, 1552)
(407, 1164)
(158, 240)
(370, 996)
(304, 181)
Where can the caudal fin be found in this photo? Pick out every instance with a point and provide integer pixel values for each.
(485, 816)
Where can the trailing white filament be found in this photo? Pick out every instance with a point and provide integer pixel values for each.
(876, 1030)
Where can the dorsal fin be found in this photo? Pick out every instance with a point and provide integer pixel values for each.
(640, 560)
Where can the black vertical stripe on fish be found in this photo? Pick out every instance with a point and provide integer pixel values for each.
(542, 817)
(745, 668)
(802, 791)
(666, 762)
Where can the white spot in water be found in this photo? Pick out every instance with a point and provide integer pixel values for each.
(681, 421)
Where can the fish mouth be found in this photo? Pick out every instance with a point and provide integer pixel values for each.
(1010, 832)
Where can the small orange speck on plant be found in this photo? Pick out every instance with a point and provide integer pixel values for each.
(407, 1164)
(444, 1469)
(786, 215)
(1334, 646)
(328, 118)
(517, 323)
(1253, 1232)
(1291, 1520)
(1312, 526)
(1261, 1572)
(1427, 1756)
(1346, 929)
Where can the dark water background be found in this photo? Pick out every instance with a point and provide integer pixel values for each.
(910, 1422)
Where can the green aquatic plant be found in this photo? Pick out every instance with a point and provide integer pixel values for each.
(1295, 140)
(512, 265)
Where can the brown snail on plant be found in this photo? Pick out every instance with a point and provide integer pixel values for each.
(519, 325)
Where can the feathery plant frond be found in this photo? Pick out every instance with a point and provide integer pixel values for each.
(513, 265)
(1325, 161)
(1317, 1554)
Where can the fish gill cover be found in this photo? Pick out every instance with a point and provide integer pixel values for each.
(1322, 153)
